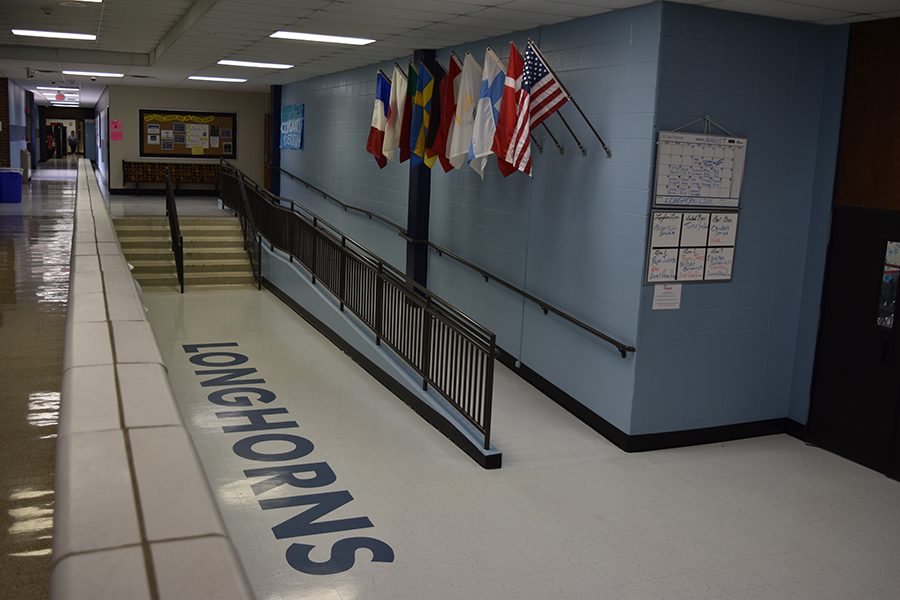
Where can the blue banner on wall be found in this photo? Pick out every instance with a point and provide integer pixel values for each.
(292, 127)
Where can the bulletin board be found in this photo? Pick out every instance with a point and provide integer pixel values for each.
(188, 134)
(698, 169)
(691, 246)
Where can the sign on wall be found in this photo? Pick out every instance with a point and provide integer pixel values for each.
(690, 246)
(698, 169)
(172, 133)
(292, 127)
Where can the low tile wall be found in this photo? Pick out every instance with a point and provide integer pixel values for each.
(135, 517)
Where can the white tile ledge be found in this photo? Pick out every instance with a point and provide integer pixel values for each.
(112, 363)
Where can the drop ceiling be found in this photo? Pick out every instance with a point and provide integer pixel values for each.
(162, 42)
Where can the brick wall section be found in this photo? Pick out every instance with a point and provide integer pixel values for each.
(4, 118)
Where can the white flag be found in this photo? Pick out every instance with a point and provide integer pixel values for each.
(464, 119)
(395, 114)
(487, 111)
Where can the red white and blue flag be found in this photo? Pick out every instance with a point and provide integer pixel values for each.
(539, 82)
(375, 143)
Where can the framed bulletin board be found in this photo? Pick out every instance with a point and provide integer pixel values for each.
(188, 134)
(691, 246)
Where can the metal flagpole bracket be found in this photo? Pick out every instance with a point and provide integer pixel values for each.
(574, 103)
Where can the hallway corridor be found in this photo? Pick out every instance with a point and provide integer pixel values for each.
(35, 247)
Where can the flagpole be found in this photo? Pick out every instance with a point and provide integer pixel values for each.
(577, 141)
(553, 137)
(537, 143)
(399, 68)
(581, 112)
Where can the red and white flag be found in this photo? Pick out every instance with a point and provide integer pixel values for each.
(512, 143)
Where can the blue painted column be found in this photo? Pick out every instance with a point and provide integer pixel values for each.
(274, 149)
(419, 204)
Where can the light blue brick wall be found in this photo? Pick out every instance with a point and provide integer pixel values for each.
(574, 235)
(742, 351)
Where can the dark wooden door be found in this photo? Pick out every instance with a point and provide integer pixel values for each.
(856, 387)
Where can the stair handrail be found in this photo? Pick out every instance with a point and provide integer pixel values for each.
(545, 306)
(175, 229)
(334, 231)
(252, 239)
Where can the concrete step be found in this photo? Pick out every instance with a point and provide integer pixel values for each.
(195, 279)
(144, 267)
(149, 243)
(199, 231)
(224, 220)
(190, 253)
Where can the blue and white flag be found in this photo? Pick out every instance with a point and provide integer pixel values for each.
(487, 111)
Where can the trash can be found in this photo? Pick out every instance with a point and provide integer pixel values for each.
(10, 185)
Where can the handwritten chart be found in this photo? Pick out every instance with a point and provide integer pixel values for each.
(699, 170)
(691, 246)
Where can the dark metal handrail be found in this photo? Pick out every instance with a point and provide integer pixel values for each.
(450, 351)
(546, 307)
(175, 229)
(238, 203)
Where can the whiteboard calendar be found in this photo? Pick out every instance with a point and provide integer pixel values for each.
(699, 170)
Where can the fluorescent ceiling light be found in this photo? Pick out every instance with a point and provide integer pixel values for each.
(58, 89)
(315, 37)
(64, 104)
(55, 34)
(259, 65)
(225, 79)
(93, 74)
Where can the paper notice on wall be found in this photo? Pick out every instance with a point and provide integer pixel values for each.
(168, 134)
(153, 140)
(115, 130)
(667, 296)
(213, 141)
(196, 149)
(197, 135)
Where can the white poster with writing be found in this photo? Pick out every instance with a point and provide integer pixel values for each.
(691, 245)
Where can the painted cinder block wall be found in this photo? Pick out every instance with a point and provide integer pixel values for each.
(575, 234)
(742, 351)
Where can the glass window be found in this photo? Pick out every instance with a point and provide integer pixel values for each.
(889, 277)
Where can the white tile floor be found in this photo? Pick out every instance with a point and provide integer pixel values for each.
(568, 515)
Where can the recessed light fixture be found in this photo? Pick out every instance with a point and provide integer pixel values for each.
(258, 65)
(315, 37)
(224, 79)
(54, 34)
(93, 74)
(58, 89)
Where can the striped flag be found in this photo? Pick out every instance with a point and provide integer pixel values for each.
(375, 143)
(539, 81)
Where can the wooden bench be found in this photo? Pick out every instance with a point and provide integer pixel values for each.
(155, 172)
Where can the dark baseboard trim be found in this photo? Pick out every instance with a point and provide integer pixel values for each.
(161, 192)
(492, 461)
(650, 441)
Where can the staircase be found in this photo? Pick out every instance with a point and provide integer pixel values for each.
(213, 251)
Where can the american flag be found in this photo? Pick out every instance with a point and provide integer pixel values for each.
(547, 95)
